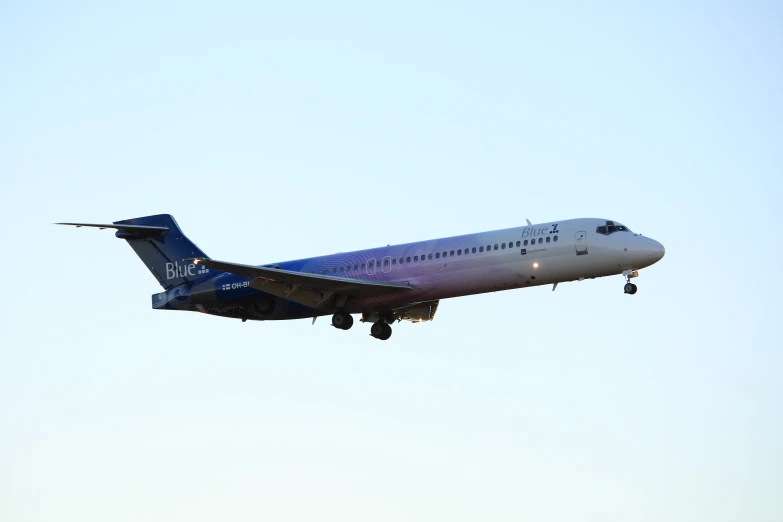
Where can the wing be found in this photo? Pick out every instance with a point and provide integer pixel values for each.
(308, 289)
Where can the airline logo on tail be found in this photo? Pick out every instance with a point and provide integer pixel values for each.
(175, 270)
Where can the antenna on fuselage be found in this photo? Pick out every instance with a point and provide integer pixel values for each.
(529, 223)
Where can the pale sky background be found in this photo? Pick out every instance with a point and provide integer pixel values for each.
(277, 132)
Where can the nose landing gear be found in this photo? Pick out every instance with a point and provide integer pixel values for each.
(630, 288)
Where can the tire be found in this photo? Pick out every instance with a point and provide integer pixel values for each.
(387, 331)
(630, 288)
(342, 321)
(376, 330)
(348, 322)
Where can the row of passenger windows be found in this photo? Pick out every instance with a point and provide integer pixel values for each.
(372, 264)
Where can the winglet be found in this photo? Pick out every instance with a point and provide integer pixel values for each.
(529, 223)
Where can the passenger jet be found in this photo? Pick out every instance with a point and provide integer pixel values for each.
(384, 284)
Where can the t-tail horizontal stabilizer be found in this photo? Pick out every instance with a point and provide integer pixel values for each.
(161, 245)
(125, 231)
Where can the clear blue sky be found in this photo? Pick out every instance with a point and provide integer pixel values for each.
(276, 132)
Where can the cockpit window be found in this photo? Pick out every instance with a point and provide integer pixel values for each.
(611, 227)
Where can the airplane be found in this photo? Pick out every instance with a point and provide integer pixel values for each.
(384, 284)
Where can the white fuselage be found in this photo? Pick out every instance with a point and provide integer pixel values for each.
(579, 252)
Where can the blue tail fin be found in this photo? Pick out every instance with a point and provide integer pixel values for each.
(164, 251)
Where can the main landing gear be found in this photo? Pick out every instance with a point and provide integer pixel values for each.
(380, 330)
(342, 320)
(629, 287)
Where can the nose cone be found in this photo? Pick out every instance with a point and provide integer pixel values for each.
(653, 251)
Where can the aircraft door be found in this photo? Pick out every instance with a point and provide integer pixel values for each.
(581, 243)
(387, 264)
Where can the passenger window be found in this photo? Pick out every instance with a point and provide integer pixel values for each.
(548, 239)
(540, 240)
(408, 259)
(554, 239)
(496, 247)
(481, 249)
(429, 256)
(489, 247)
(444, 254)
(459, 252)
(451, 253)
(437, 255)
(503, 246)
(385, 262)
(372, 264)
(473, 250)
(518, 243)
(356, 267)
(363, 266)
(394, 261)
(415, 259)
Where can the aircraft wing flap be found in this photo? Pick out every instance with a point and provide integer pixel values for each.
(323, 283)
(418, 312)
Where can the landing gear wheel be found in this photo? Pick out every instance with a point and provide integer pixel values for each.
(380, 330)
(342, 321)
(630, 288)
(387, 331)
